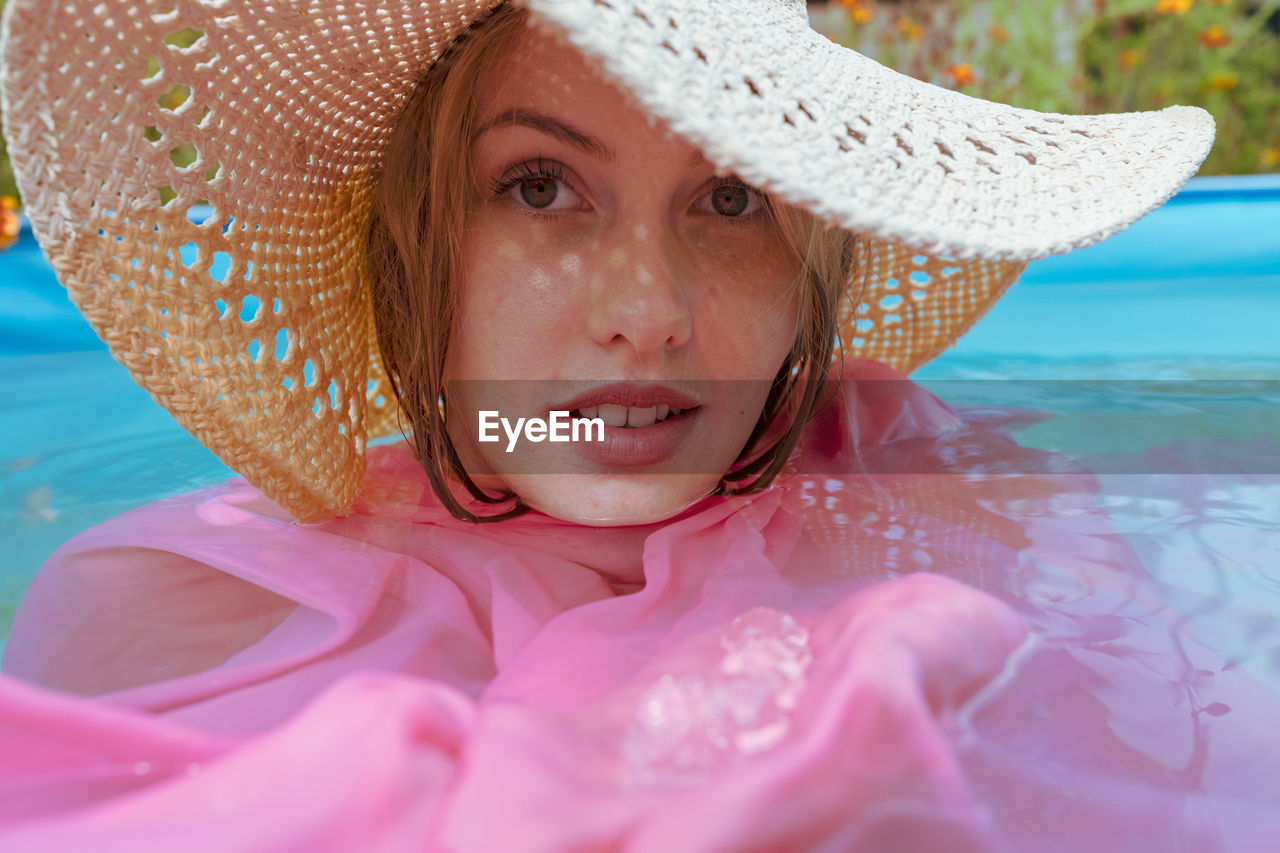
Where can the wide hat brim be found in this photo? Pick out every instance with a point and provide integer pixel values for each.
(876, 151)
(254, 328)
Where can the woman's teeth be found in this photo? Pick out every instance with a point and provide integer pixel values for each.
(628, 416)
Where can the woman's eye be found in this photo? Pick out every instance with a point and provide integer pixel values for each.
(541, 190)
(735, 200)
(539, 193)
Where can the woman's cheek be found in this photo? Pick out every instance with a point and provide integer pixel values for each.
(756, 297)
(511, 314)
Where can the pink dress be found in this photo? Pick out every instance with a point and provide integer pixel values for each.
(930, 658)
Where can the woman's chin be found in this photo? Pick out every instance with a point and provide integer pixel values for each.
(613, 500)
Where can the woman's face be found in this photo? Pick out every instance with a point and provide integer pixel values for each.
(607, 271)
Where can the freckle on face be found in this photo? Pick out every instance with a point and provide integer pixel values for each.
(510, 250)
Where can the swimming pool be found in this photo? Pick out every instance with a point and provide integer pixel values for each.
(1163, 337)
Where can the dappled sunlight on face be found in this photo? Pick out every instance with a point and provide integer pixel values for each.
(607, 264)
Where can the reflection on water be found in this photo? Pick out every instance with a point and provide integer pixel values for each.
(1152, 673)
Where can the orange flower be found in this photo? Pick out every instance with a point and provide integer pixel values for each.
(1173, 7)
(1215, 36)
(8, 221)
(961, 73)
(1220, 2)
(1131, 57)
(1269, 158)
(910, 29)
(858, 10)
(998, 33)
(860, 15)
(1220, 81)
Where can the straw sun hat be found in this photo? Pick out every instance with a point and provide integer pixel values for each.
(254, 327)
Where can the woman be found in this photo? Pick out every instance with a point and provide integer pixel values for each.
(734, 663)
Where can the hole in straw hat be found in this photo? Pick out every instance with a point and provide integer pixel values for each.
(250, 309)
(183, 155)
(284, 345)
(184, 38)
(174, 98)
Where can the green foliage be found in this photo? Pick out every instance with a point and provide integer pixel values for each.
(1224, 57)
(1095, 56)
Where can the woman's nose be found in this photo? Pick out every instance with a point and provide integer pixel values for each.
(642, 293)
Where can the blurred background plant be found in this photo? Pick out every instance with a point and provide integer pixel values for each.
(1073, 56)
(1090, 56)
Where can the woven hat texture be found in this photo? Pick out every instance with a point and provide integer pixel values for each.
(253, 327)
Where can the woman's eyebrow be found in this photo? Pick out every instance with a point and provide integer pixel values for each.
(550, 126)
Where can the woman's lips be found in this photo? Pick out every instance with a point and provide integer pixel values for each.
(635, 446)
(628, 416)
(630, 395)
(644, 424)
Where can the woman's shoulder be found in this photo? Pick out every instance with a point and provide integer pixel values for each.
(180, 585)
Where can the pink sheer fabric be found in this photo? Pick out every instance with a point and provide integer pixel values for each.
(937, 657)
